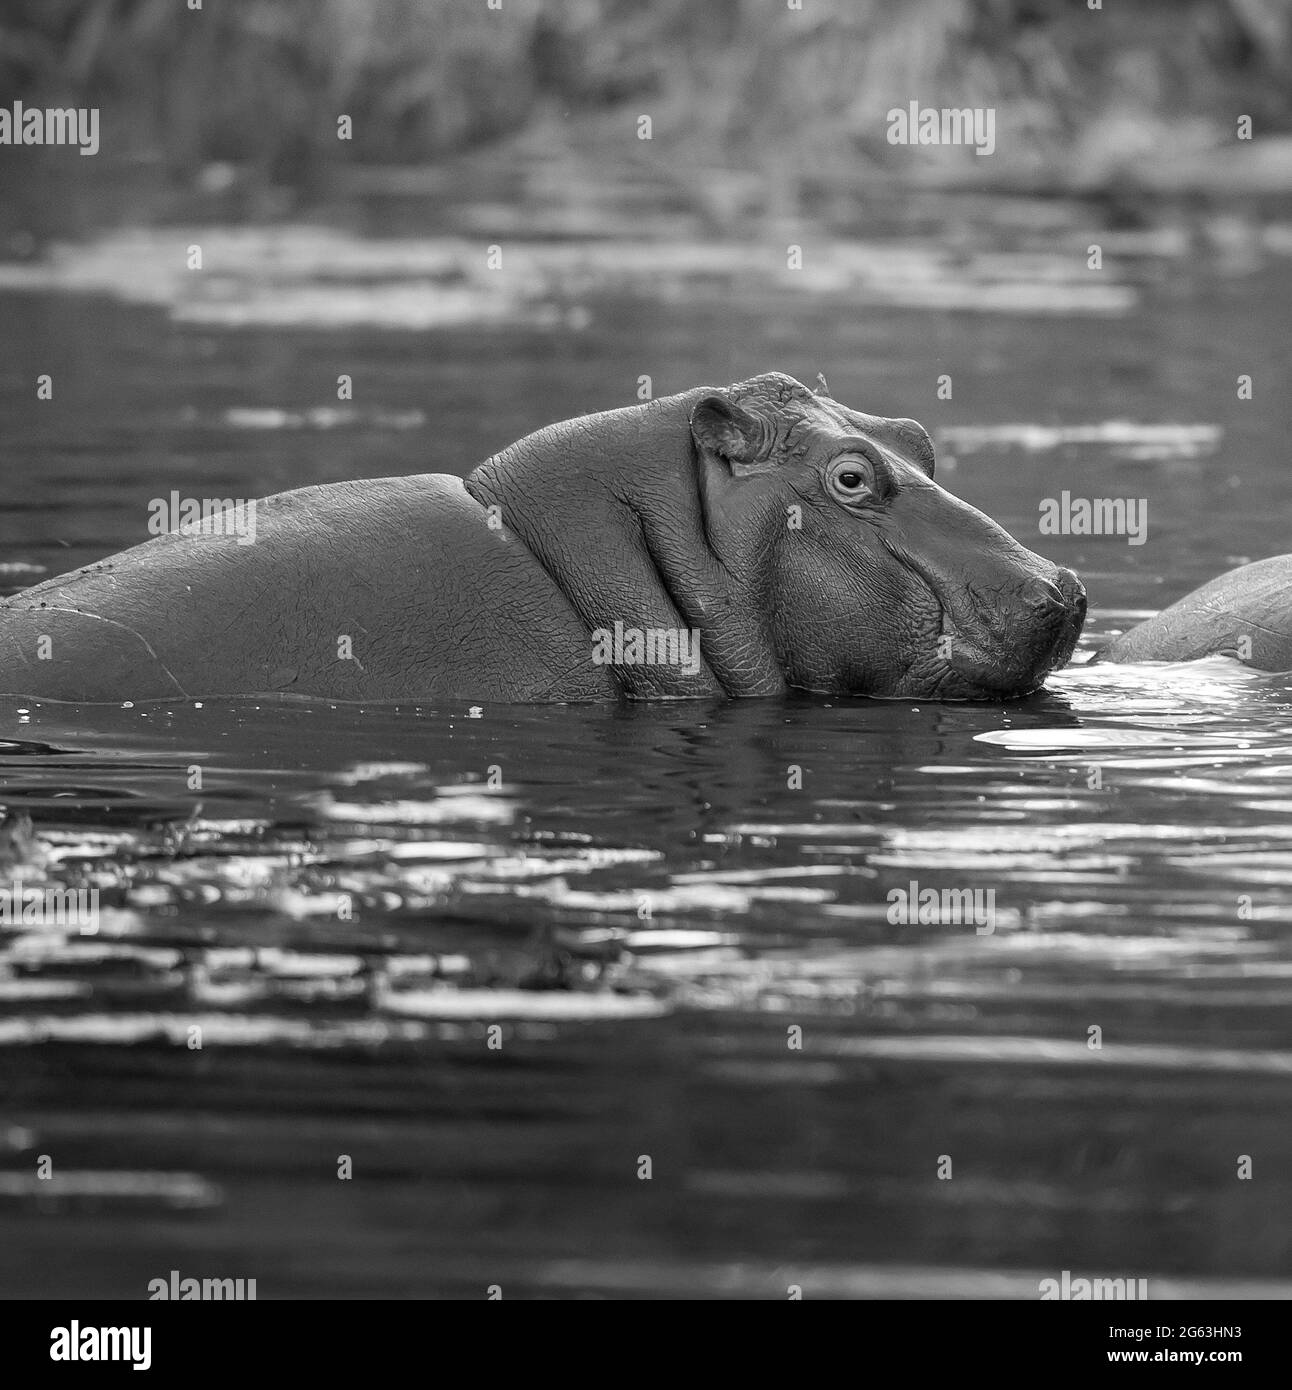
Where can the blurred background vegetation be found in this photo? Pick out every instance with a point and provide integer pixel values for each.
(758, 110)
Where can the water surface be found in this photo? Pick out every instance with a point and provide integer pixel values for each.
(499, 956)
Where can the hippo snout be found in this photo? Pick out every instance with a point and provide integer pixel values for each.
(1064, 601)
(1035, 630)
(1059, 602)
(1073, 593)
(1044, 597)
(1064, 605)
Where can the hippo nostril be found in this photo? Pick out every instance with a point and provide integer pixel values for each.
(1073, 591)
(1044, 597)
(1065, 594)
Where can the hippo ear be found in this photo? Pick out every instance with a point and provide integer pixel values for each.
(727, 432)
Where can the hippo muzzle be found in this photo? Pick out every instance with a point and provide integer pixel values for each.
(1014, 644)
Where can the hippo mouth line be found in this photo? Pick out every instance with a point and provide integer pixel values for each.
(972, 670)
(992, 676)
(1021, 634)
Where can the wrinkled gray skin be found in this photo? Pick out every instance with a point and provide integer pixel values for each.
(807, 543)
(1246, 613)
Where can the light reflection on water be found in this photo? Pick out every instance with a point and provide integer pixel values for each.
(661, 947)
(643, 907)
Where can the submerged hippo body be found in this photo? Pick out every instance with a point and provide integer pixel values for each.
(1245, 613)
(732, 542)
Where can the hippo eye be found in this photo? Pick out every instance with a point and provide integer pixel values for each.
(851, 479)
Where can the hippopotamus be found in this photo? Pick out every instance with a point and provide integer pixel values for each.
(1246, 613)
(738, 542)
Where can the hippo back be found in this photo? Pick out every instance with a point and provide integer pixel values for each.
(1246, 613)
(385, 589)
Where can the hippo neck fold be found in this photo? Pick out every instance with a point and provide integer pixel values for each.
(610, 506)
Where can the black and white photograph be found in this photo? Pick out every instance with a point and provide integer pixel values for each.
(646, 655)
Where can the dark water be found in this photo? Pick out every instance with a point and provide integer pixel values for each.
(648, 906)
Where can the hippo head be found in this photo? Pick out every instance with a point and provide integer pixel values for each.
(871, 578)
(805, 544)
